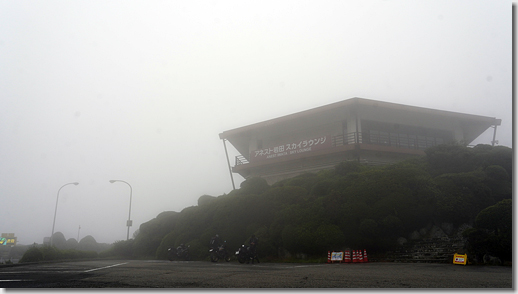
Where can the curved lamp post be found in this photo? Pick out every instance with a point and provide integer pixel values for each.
(129, 215)
(56, 210)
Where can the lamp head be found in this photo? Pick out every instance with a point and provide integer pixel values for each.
(75, 183)
(112, 181)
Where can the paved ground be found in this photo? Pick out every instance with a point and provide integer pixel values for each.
(203, 275)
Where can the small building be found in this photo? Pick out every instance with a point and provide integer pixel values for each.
(368, 131)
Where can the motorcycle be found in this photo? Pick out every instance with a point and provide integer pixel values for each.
(179, 253)
(219, 253)
(252, 254)
(242, 254)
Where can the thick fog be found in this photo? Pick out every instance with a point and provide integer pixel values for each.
(138, 91)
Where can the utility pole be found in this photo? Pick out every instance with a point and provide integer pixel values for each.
(497, 123)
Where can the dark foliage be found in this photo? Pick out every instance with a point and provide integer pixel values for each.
(353, 206)
(48, 253)
(493, 232)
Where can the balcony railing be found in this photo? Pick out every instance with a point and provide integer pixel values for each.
(240, 159)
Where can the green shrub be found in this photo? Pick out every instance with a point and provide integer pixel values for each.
(120, 249)
(33, 254)
(353, 205)
(48, 253)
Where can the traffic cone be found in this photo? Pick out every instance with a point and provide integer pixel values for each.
(355, 259)
(347, 256)
(360, 257)
(328, 256)
(365, 259)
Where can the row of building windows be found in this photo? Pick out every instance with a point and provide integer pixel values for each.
(400, 140)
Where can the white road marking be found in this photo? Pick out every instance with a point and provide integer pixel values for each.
(100, 268)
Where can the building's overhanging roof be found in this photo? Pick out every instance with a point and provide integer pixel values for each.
(473, 125)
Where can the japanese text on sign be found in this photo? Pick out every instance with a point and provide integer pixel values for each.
(291, 148)
(7, 241)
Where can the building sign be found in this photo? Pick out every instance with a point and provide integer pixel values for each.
(7, 239)
(292, 148)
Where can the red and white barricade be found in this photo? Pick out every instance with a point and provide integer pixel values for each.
(347, 256)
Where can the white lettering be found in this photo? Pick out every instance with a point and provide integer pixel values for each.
(304, 150)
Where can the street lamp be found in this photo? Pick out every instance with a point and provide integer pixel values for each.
(56, 210)
(129, 215)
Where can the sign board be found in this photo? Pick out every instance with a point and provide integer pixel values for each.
(291, 148)
(460, 259)
(7, 239)
(337, 256)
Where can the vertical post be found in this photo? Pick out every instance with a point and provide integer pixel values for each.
(357, 129)
(357, 147)
(56, 209)
(497, 123)
(494, 137)
(129, 214)
(129, 222)
(229, 168)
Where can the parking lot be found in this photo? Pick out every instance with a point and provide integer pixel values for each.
(201, 274)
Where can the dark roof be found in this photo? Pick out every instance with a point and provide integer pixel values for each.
(357, 102)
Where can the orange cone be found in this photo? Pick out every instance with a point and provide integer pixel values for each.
(347, 256)
(360, 257)
(355, 259)
(365, 259)
(328, 256)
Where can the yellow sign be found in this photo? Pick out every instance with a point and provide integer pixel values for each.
(460, 259)
(7, 241)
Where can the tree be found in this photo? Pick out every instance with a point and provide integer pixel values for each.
(33, 254)
(497, 219)
(205, 199)
(88, 243)
(353, 205)
(461, 196)
(255, 185)
(493, 232)
(72, 244)
(499, 182)
(59, 241)
(347, 167)
(449, 158)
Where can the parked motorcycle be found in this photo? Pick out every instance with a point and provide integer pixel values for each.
(179, 253)
(242, 254)
(219, 253)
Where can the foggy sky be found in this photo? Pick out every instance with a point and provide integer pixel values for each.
(139, 90)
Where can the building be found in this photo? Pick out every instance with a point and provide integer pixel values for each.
(368, 131)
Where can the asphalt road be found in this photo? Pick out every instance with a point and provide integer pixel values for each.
(200, 274)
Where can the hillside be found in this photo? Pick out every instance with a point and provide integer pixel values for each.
(351, 206)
